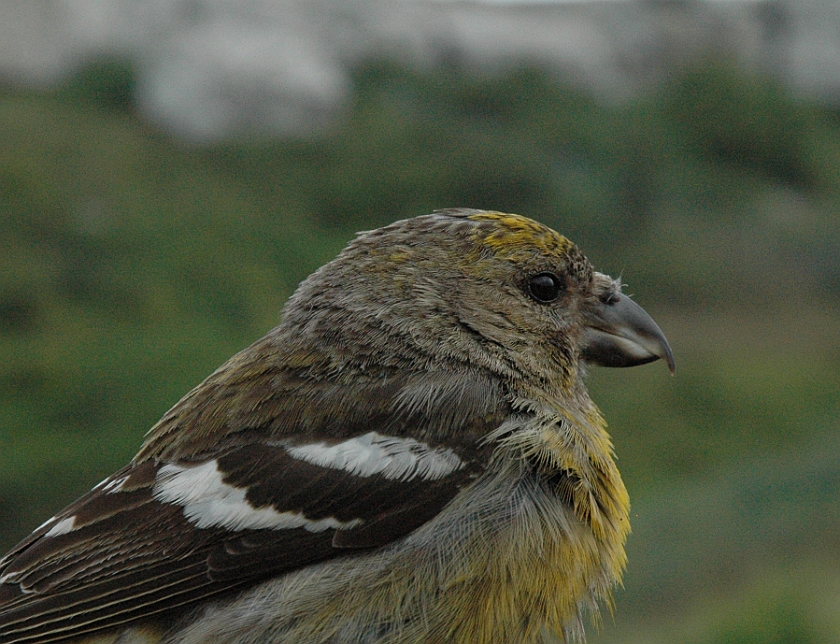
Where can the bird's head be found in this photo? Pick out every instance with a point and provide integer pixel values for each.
(479, 290)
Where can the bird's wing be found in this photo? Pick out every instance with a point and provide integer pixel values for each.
(161, 535)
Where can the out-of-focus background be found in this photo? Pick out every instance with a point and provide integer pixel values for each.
(170, 169)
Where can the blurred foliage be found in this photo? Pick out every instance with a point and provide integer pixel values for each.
(132, 264)
(107, 84)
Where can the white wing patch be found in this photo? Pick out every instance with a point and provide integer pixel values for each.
(62, 527)
(402, 459)
(210, 502)
(114, 485)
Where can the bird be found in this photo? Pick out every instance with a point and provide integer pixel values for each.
(410, 456)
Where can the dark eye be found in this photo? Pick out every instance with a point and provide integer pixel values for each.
(545, 287)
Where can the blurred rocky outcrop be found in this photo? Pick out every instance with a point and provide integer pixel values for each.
(209, 68)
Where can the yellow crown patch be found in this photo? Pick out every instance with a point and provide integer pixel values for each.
(515, 235)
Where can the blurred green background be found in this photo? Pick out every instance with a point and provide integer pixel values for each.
(132, 264)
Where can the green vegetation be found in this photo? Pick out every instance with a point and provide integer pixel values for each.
(133, 264)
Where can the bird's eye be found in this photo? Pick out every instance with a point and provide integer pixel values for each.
(545, 287)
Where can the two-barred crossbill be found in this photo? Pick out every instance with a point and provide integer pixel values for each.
(410, 456)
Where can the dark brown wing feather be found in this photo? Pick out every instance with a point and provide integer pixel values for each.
(130, 556)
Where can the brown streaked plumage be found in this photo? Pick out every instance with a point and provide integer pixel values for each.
(410, 456)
